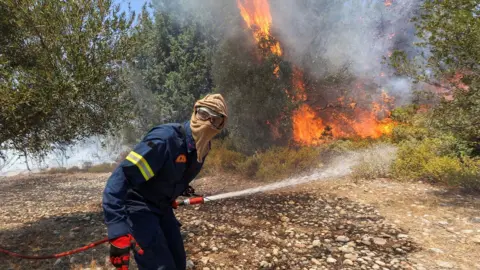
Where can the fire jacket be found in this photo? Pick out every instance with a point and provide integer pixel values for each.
(152, 176)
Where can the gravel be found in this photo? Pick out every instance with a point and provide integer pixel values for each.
(282, 230)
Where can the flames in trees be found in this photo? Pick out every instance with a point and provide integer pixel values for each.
(359, 116)
(256, 14)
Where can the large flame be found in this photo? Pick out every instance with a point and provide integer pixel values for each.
(256, 14)
(311, 126)
(344, 119)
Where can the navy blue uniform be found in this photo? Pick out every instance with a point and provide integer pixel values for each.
(139, 194)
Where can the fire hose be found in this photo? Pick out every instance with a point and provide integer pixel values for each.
(190, 201)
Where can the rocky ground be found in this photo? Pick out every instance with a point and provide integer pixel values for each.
(333, 224)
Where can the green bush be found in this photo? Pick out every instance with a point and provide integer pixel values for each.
(470, 178)
(343, 146)
(279, 162)
(435, 160)
(405, 114)
(406, 132)
(222, 159)
(274, 163)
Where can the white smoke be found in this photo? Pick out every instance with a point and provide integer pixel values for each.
(94, 150)
(323, 36)
(326, 35)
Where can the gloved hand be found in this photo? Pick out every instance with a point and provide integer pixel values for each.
(120, 251)
(188, 192)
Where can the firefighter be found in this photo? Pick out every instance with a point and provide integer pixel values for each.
(138, 196)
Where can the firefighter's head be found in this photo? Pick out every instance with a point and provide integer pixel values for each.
(208, 119)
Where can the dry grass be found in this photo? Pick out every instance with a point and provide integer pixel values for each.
(97, 168)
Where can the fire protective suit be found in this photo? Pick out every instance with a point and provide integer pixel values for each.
(139, 194)
(138, 197)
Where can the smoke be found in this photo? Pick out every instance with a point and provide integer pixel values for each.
(325, 36)
(356, 32)
(93, 150)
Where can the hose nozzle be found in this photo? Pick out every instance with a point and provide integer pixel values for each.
(196, 200)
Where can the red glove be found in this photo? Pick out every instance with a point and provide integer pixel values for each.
(120, 251)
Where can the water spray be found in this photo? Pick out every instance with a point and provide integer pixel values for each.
(340, 166)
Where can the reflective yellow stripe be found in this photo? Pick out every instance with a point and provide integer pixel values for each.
(144, 162)
(141, 163)
(134, 161)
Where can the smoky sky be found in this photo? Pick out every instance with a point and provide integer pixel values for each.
(327, 35)
(358, 32)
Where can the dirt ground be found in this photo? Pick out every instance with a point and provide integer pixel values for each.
(445, 223)
(330, 224)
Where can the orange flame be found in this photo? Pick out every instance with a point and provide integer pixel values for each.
(311, 127)
(344, 120)
(297, 81)
(256, 14)
(308, 129)
(457, 81)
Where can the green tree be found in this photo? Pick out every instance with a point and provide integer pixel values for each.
(60, 63)
(259, 103)
(450, 36)
(172, 65)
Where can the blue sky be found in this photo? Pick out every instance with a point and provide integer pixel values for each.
(136, 5)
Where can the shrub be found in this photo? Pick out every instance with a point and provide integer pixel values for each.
(101, 168)
(406, 132)
(404, 114)
(86, 165)
(281, 162)
(74, 169)
(434, 160)
(250, 166)
(277, 162)
(375, 162)
(222, 159)
(470, 179)
(343, 146)
(55, 170)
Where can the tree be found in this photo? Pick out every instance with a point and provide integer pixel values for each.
(450, 36)
(259, 104)
(59, 71)
(171, 67)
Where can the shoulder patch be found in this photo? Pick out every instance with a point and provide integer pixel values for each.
(182, 158)
(151, 144)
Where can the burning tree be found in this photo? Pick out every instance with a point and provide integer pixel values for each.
(277, 101)
(259, 105)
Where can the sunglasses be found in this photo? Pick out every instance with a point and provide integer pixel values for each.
(205, 114)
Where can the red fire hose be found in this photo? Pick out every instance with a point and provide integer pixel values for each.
(54, 256)
(196, 200)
